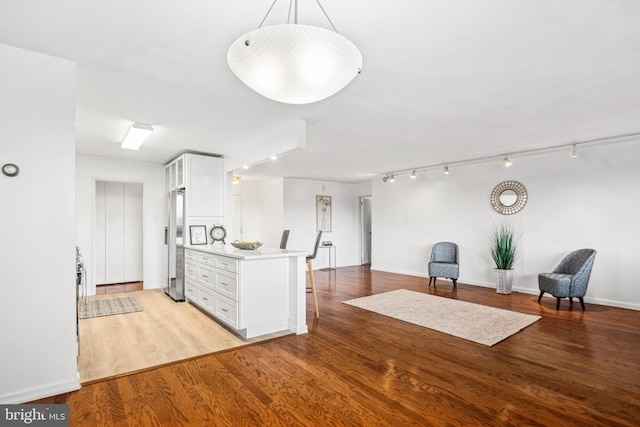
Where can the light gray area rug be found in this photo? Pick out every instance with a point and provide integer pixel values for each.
(473, 322)
(108, 307)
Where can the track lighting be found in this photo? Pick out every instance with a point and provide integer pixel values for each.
(505, 158)
(574, 151)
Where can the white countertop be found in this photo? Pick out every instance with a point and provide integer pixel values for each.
(232, 252)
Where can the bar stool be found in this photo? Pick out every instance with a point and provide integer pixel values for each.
(310, 267)
(284, 239)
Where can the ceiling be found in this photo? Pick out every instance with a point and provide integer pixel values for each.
(442, 81)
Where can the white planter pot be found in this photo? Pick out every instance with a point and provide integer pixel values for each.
(504, 281)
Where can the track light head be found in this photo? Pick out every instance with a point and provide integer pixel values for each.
(385, 178)
(507, 162)
(392, 178)
(574, 151)
(413, 175)
(446, 170)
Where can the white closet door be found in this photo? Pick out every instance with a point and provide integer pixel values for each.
(114, 226)
(132, 232)
(100, 235)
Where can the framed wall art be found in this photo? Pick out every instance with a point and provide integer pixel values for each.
(198, 234)
(323, 213)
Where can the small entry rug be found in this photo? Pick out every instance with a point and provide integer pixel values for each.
(108, 307)
(473, 322)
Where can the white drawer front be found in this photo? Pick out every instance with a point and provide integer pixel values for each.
(191, 270)
(190, 255)
(228, 264)
(207, 299)
(227, 284)
(207, 276)
(207, 259)
(226, 310)
(191, 291)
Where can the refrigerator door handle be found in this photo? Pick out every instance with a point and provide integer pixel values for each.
(166, 235)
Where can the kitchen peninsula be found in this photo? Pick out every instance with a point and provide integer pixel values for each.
(253, 292)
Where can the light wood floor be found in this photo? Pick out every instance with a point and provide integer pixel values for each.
(358, 368)
(164, 332)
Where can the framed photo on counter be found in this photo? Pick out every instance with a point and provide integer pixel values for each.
(198, 234)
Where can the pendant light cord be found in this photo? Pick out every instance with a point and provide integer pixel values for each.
(328, 19)
(268, 12)
(296, 14)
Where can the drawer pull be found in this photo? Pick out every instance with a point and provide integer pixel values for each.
(226, 285)
(205, 276)
(225, 310)
(205, 298)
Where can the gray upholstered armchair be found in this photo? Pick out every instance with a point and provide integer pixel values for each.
(569, 279)
(444, 263)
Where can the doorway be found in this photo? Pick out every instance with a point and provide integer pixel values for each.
(365, 232)
(118, 235)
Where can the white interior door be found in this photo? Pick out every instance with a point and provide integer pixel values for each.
(100, 233)
(114, 232)
(118, 232)
(365, 212)
(237, 217)
(132, 232)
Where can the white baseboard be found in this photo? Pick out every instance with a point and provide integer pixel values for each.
(590, 300)
(41, 391)
(154, 285)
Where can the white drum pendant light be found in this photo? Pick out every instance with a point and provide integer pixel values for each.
(293, 63)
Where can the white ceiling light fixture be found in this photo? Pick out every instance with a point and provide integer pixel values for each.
(446, 170)
(413, 174)
(507, 163)
(136, 136)
(294, 63)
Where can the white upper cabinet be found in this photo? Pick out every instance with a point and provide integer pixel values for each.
(202, 177)
(175, 172)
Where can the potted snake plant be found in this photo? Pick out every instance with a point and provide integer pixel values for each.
(504, 250)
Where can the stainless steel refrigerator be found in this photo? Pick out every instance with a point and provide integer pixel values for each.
(174, 238)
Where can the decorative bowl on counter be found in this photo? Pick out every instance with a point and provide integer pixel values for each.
(246, 245)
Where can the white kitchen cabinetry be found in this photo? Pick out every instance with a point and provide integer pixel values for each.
(202, 177)
(251, 295)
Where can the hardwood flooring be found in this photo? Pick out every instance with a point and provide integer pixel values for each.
(163, 332)
(358, 368)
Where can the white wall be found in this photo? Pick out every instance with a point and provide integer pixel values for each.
(37, 255)
(250, 193)
(94, 168)
(587, 202)
(271, 200)
(300, 218)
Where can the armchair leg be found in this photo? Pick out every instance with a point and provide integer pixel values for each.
(581, 302)
(455, 283)
(540, 297)
(571, 301)
(558, 303)
(430, 279)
